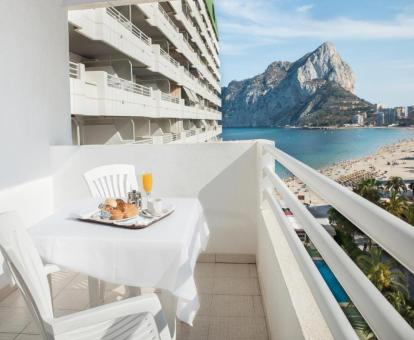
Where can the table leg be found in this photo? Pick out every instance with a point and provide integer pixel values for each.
(169, 306)
(96, 291)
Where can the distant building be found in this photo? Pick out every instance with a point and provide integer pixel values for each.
(378, 106)
(400, 112)
(380, 119)
(358, 119)
(410, 111)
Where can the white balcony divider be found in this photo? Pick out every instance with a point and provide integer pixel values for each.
(169, 98)
(127, 85)
(383, 319)
(392, 233)
(169, 58)
(165, 14)
(339, 324)
(74, 70)
(118, 16)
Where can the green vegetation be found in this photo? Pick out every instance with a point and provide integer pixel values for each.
(385, 274)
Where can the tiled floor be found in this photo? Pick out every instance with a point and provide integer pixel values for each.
(231, 305)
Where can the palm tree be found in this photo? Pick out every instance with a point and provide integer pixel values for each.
(383, 275)
(340, 222)
(396, 183)
(402, 305)
(396, 205)
(369, 189)
(409, 214)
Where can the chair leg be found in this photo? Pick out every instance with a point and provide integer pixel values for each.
(96, 291)
(49, 279)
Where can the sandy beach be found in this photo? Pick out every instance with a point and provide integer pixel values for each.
(390, 160)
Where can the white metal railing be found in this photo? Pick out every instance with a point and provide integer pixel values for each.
(165, 14)
(391, 233)
(118, 16)
(128, 85)
(169, 98)
(167, 56)
(167, 138)
(74, 70)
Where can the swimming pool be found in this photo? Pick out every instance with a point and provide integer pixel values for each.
(332, 282)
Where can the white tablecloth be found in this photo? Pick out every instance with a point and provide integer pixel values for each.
(161, 256)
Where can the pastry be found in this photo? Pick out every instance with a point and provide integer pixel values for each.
(117, 214)
(120, 204)
(111, 202)
(131, 210)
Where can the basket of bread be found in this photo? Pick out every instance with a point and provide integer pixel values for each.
(117, 209)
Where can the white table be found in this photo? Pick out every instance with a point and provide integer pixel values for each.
(161, 256)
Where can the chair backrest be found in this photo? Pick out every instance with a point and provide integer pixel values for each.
(114, 180)
(22, 261)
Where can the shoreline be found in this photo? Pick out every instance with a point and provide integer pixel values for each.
(395, 159)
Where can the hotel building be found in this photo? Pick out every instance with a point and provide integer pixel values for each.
(145, 73)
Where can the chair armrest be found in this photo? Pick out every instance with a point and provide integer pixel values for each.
(142, 304)
(51, 268)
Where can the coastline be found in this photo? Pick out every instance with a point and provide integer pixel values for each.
(395, 159)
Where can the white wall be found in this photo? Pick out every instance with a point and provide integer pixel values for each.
(291, 310)
(222, 175)
(34, 87)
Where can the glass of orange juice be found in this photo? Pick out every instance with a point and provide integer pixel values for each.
(147, 182)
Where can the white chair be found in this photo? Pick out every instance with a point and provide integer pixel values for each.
(135, 318)
(114, 180)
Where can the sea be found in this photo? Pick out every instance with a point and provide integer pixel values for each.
(319, 148)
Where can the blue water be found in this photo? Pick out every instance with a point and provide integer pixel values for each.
(331, 281)
(320, 148)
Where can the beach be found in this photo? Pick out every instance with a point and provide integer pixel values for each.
(391, 160)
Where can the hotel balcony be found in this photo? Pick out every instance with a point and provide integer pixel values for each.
(106, 28)
(255, 279)
(98, 93)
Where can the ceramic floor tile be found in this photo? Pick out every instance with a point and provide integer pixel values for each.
(253, 270)
(205, 304)
(7, 336)
(72, 299)
(28, 337)
(232, 270)
(15, 299)
(258, 306)
(31, 328)
(80, 282)
(60, 280)
(226, 328)
(236, 286)
(232, 305)
(204, 285)
(14, 320)
(203, 270)
(199, 331)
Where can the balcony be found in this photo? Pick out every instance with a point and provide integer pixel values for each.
(242, 198)
(111, 27)
(97, 93)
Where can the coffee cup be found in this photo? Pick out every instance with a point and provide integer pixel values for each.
(155, 206)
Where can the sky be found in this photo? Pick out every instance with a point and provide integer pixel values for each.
(375, 37)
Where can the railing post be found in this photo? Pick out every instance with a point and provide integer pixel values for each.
(264, 160)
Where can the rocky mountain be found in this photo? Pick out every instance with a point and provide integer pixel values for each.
(316, 90)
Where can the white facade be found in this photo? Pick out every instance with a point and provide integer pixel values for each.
(146, 64)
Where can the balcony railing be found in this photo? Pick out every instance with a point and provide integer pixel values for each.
(167, 56)
(74, 70)
(127, 85)
(391, 233)
(169, 98)
(118, 16)
(165, 14)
